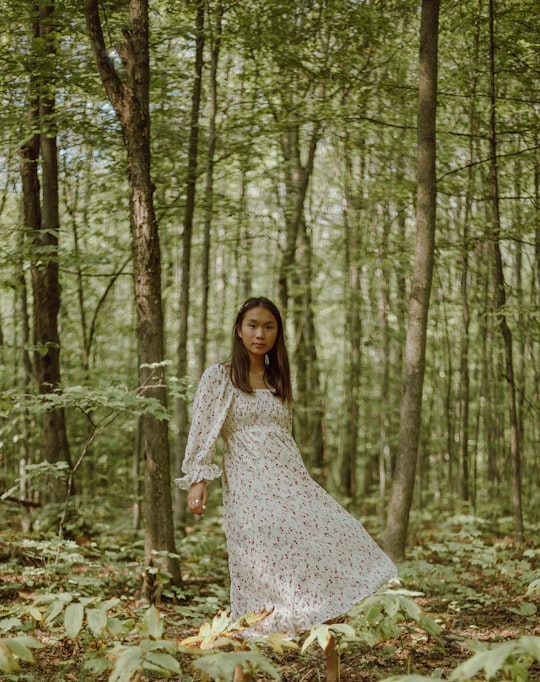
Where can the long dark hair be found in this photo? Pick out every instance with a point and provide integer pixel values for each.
(277, 370)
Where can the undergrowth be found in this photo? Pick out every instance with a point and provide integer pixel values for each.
(74, 611)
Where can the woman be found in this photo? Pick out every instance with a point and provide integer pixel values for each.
(293, 550)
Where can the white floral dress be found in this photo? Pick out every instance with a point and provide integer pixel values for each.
(292, 548)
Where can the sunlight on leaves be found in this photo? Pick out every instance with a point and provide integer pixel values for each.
(324, 633)
(221, 633)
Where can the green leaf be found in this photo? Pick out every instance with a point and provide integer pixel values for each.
(526, 609)
(73, 619)
(114, 626)
(162, 661)
(408, 678)
(108, 604)
(158, 645)
(20, 647)
(429, 625)
(55, 608)
(220, 667)
(411, 608)
(7, 624)
(8, 664)
(530, 645)
(314, 635)
(97, 620)
(490, 661)
(391, 605)
(128, 663)
(151, 625)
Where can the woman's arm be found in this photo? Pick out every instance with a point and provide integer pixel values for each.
(210, 408)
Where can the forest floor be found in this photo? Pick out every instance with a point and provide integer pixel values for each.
(476, 586)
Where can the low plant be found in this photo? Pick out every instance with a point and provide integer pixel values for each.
(152, 653)
(13, 650)
(220, 634)
(388, 614)
(508, 660)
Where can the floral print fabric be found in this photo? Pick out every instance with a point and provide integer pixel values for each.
(292, 548)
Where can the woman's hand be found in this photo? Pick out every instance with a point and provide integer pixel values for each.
(197, 497)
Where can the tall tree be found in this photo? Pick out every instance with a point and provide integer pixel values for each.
(189, 213)
(209, 184)
(130, 99)
(415, 350)
(500, 290)
(41, 219)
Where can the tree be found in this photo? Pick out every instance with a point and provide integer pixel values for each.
(130, 99)
(42, 222)
(500, 295)
(415, 350)
(189, 212)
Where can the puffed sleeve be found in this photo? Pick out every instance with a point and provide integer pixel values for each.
(210, 407)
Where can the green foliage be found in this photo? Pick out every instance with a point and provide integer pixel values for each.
(325, 632)
(15, 649)
(111, 399)
(220, 634)
(385, 615)
(511, 660)
(220, 667)
(152, 653)
(83, 597)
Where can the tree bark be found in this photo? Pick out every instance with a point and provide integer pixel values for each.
(500, 294)
(415, 348)
(130, 100)
(209, 188)
(295, 294)
(182, 415)
(41, 220)
(353, 329)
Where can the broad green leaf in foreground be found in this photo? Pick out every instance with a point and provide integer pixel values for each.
(220, 666)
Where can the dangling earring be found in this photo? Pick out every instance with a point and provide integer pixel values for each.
(266, 359)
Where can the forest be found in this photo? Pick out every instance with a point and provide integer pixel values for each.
(374, 169)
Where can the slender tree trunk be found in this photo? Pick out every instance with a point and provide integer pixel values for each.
(295, 288)
(25, 449)
(353, 327)
(209, 190)
(182, 414)
(41, 219)
(500, 288)
(464, 370)
(309, 405)
(131, 103)
(411, 403)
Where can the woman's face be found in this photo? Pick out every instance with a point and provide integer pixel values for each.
(258, 331)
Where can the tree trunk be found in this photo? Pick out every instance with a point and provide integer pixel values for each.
(131, 103)
(209, 190)
(500, 296)
(411, 402)
(295, 288)
(182, 414)
(41, 219)
(24, 427)
(353, 329)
